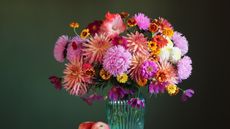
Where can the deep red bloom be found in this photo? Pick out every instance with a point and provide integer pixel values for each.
(56, 81)
(94, 27)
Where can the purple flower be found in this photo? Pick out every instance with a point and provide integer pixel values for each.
(184, 68)
(90, 99)
(117, 60)
(156, 87)
(148, 69)
(117, 92)
(187, 94)
(136, 103)
(56, 81)
(143, 21)
(181, 42)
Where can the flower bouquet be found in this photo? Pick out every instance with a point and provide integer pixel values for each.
(123, 55)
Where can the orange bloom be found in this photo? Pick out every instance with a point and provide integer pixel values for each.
(131, 22)
(168, 32)
(104, 74)
(153, 27)
(74, 25)
(142, 82)
(124, 14)
(160, 40)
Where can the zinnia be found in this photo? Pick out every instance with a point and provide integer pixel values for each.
(148, 69)
(117, 60)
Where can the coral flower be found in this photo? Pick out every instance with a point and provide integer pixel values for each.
(137, 44)
(117, 60)
(166, 73)
(60, 48)
(163, 23)
(96, 48)
(143, 21)
(160, 40)
(94, 27)
(112, 25)
(74, 48)
(75, 80)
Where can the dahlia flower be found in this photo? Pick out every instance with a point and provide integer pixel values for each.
(96, 48)
(136, 103)
(148, 69)
(117, 60)
(118, 40)
(60, 48)
(75, 79)
(112, 25)
(175, 55)
(181, 42)
(137, 44)
(143, 21)
(94, 27)
(135, 68)
(166, 73)
(184, 68)
(160, 40)
(74, 48)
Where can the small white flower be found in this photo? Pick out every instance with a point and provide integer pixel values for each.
(165, 53)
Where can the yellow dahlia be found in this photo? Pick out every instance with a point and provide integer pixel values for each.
(96, 48)
(123, 78)
(75, 80)
(168, 32)
(137, 44)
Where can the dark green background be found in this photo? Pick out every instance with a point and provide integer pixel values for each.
(29, 29)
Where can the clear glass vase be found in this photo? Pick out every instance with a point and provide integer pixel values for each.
(120, 115)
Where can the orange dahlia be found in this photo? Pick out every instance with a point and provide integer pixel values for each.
(75, 79)
(96, 48)
(137, 44)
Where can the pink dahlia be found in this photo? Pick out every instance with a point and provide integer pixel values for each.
(117, 60)
(74, 48)
(96, 48)
(181, 42)
(119, 40)
(75, 79)
(184, 68)
(60, 47)
(137, 44)
(113, 25)
(143, 21)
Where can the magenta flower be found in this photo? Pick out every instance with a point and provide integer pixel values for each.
(148, 69)
(187, 94)
(74, 48)
(56, 81)
(136, 103)
(184, 68)
(143, 21)
(90, 99)
(119, 40)
(117, 92)
(156, 87)
(181, 42)
(117, 60)
(60, 48)
(94, 27)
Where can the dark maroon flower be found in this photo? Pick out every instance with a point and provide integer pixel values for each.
(117, 92)
(56, 81)
(119, 40)
(187, 94)
(94, 27)
(136, 103)
(90, 99)
(156, 87)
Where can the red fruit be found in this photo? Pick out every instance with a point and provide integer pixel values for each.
(86, 125)
(100, 125)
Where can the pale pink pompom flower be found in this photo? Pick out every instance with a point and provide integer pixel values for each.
(60, 47)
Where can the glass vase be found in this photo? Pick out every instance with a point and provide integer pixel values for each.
(120, 115)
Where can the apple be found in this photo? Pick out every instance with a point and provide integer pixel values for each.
(86, 125)
(100, 125)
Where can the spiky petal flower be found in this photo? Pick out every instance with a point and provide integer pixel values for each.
(60, 48)
(74, 48)
(117, 60)
(143, 21)
(166, 73)
(113, 25)
(96, 48)
(137, 44)
(75, 79)
(135, 68)
(184, 68)
(148, 69)
(181, 42)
